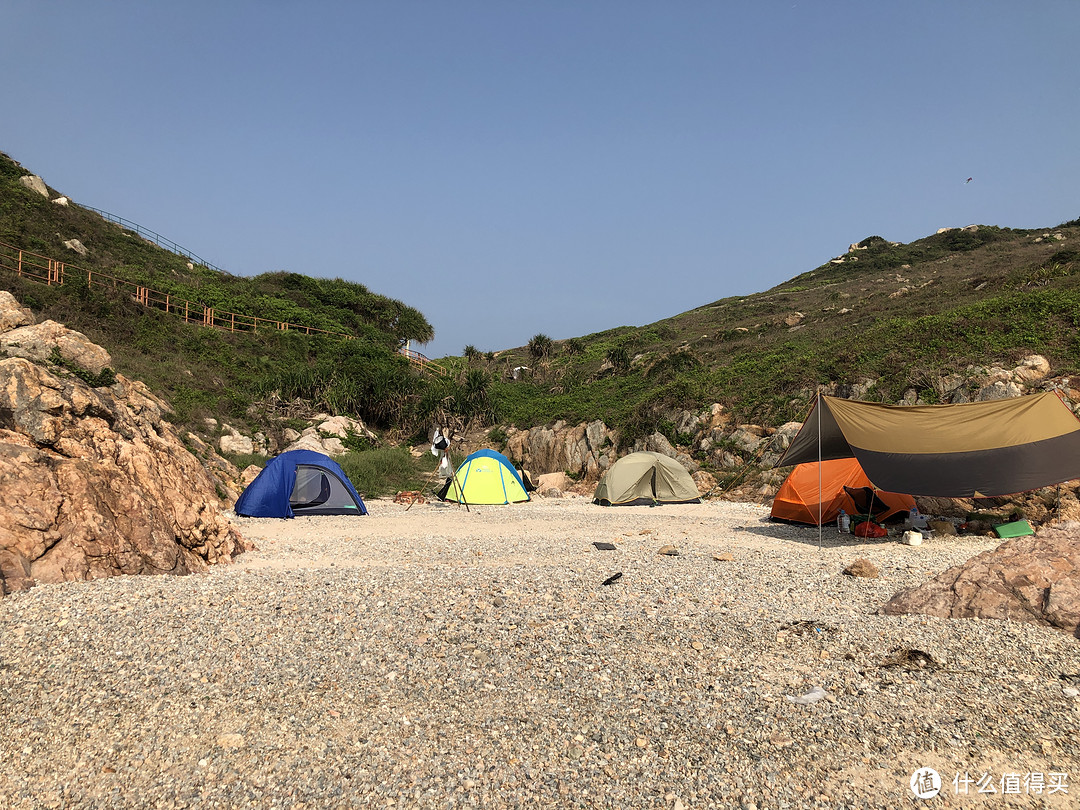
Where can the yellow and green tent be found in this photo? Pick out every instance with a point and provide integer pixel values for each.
(486, 477)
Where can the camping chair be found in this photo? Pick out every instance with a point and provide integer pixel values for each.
(865, 499)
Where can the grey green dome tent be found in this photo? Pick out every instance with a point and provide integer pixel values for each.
(644, 479)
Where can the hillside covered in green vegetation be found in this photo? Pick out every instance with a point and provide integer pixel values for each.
(210, 372)
(899, 316)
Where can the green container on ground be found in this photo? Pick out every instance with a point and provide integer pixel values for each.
(1018, 528)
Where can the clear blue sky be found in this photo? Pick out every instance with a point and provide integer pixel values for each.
(556, 167)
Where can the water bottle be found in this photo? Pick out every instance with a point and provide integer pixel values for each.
(843, 522)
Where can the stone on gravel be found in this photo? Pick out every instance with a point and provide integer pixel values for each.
(862, 567)
(1028, 579)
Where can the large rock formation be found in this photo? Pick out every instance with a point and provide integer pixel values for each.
(94, 481)
(37, 342)
(1030, 579)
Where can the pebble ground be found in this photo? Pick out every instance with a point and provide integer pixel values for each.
(434, 657)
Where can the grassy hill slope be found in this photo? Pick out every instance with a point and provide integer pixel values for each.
(904, 315)
(208, 372)
(901, 315)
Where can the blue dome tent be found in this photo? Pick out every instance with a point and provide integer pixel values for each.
(300, 482)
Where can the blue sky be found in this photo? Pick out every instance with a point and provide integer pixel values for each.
(561, 167)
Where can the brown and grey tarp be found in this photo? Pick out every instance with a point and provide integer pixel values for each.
(973, 450)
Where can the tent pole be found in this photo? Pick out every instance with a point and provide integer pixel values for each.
(817, 409)
(453, 474)
(427, 486)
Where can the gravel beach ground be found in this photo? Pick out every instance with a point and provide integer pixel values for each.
(433, 657)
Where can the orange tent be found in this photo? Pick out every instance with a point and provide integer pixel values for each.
(842, 483)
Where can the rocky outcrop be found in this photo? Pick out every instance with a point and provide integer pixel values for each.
(95, 482)
(329, 435)
(12, 313)
(1030, 579)
(585, 451)
(77, 246)
(37, 342)
(35, 184)
(981, 383)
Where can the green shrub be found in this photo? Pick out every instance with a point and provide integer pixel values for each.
(619, 357)
(386, 471)
(497, 436)
(540, 346)
(101, 379)
(245, 460)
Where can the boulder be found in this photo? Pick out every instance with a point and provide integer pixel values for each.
(688, 422)
(705, 481)
(262, 444)
(717, 418)
(97, 484)
(1001, 389)
(77, 246)
(1033, 579)
(236, 444)
(688, 463)
(747, 438)
(942, 528)
(34, 183)
(555, 480)
(250, 473)
(37, 341)
(657, 443)
(311, 440)
(1032, 369)
(12, 313)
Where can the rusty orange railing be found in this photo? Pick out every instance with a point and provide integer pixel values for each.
(53, 272)
(36, 267)
(421, 362)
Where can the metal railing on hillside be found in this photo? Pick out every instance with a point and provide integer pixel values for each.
(421, 362)
(152, 236)
(35, 267)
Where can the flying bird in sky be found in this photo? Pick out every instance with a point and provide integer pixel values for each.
(967, 181)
